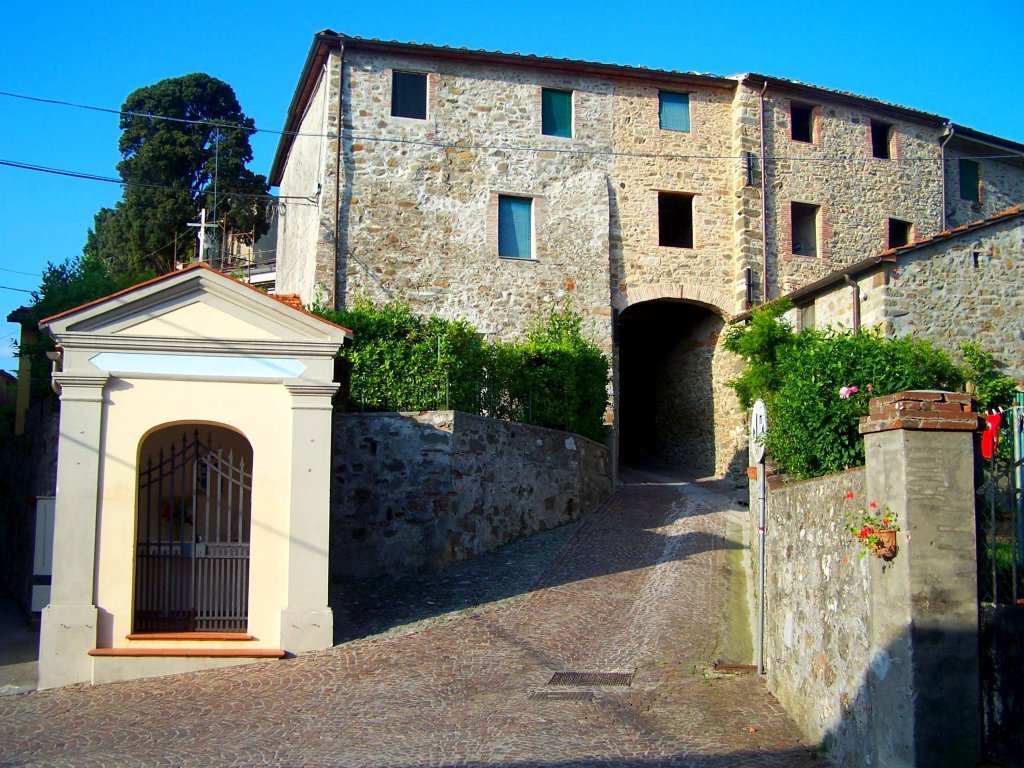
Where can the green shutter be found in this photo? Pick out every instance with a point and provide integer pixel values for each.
(674, 111)
(970, 181)
(556, 113)
(409, 95)
(515, 228)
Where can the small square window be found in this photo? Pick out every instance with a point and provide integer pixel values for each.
(900, 233)
(970, 181)
(673, 111)
(805, 228)
(515, 227)
(409, 95)
(556, 113)
(675, 220)
(801, 122)
(881, 140)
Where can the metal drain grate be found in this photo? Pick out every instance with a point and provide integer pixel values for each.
(588, 679)
(561, 695)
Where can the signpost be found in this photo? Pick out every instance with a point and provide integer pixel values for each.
(758, 427)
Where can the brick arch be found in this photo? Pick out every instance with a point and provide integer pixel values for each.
(710, 298)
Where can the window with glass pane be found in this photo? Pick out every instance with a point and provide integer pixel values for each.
(970, 181)
(674, 111)
(515, 227)
(556, 113)
(409, 95)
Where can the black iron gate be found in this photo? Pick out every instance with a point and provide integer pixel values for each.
(1000, 526)
(192, 550)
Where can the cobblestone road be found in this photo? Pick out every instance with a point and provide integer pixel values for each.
(459, 676)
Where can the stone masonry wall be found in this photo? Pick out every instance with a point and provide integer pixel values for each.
(697, 162)
(817, 616)
(1002, 185)
(415, 492)
(969, 288)
(421, 221)
(856, 192)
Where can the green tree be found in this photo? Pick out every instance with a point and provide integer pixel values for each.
(63, 286)
(171, 166)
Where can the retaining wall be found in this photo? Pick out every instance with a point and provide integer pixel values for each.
(415, 492)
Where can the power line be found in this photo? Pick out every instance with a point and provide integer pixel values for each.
(20, 290)
(486, 147)
(122, 182)
(27, 274)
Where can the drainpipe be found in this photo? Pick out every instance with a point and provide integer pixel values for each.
(942, 149)
(856, 301)
(339, 169)
(764, 206)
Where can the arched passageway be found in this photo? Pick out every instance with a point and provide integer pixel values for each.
(674, 408)
(193, 530)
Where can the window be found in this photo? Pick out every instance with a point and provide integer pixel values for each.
(900, 233)
(409, 95)
(673, 111)
(805, 228)
(675, 220)
(801, 122)
(556, 113)
(515, 227)
(970, 181)
(807, 316)
(881, 140)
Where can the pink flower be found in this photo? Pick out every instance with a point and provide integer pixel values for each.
(873, 505)
(845, 392)
(871, 387)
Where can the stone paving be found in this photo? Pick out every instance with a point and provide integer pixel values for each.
(634, 588)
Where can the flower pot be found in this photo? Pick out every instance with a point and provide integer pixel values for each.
(886, 547)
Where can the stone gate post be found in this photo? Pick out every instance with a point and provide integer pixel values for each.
(924, 674)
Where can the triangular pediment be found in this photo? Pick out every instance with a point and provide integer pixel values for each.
(195, 304)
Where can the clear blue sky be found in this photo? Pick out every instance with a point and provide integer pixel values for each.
(959, 60)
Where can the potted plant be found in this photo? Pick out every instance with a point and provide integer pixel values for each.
(875, 529)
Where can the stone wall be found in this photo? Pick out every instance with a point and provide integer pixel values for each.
(421, 214)
(967, 288)
(1002, 184)
(415, 492)
(856, 192)
(879, 659)
(817, 615)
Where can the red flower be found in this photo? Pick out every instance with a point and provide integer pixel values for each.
(849, 495)
(873, 505)
(885, 521)
(866, 531)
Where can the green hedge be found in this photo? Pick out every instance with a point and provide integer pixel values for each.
(401, 362)
(806, 380)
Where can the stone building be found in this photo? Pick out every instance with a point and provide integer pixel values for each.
(487, 186)
(964, 284)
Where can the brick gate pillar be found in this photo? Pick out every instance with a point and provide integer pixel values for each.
(924, 674)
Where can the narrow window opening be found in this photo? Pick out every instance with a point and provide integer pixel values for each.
(801, 122)
(556, 113)
(805, 229)
(900, 233)
(409, 95)
(515, 227)
(673, 111)
(675, 220)
(807, 316)
(970, 181)
(881, 140)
